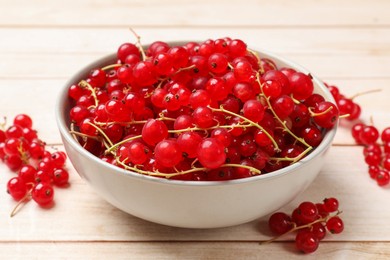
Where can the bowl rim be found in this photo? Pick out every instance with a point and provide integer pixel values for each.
(64, 129)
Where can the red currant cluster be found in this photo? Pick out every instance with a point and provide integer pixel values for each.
(376, 157)
(38, 169)
(310, 222)
(200, 111)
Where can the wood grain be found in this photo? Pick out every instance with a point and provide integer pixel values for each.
(192, 250)
(92, 219)
(157, 13)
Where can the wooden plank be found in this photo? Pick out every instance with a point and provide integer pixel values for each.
(61, 65)
(191, 250)
(80, 214)
(325, 41)
(187, 13)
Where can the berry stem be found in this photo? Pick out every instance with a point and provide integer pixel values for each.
(114, 146)
(364, 93)
(221, 109)
(102, 133)
(85, 84)
(22, 201)
(3, 124)
(111, 66)
(139, 45)
(250, 168)
(261, 69)
(170, 175)
(313, 114)
(84, 136)
(294, 159)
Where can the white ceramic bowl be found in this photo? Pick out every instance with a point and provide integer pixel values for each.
(192, 204)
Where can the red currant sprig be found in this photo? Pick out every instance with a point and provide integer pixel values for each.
(376, 156)
(310, 222)
(38, 170)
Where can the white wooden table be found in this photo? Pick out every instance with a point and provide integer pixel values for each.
(43, 43)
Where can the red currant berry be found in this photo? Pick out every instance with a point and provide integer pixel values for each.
(43, 194)
(369, 135)
(60, 177)
(283, 106)
(211, 153)
(279, 223)
(27, 173)
(253, 110)
(373, 171)
(17, 188)
(302, 85)
(331, 204)
(236, 48)
(356, 130)
(168, 153)
(203, 117)
(308, 211)
(385, 135)
(23, 121)
(326, 114)
(138, 152)
(125, 50)
(383, 178)
(306, 241)
(154, 131)
(319, 230)
(217, 63)
(335, 225)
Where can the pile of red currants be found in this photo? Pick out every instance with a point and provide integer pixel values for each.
(310, 221)
(205, 111)
(37, 169)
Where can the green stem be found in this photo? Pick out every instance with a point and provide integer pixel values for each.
(294, 159)
(221, 109)
(194, 169)
(114, 146)
(139, 45)
(84, 84)
(102, 133)
(111, 66)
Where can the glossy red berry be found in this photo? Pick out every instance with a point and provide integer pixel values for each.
(168, 153)
(253, 110)
(369, 135)
(326, 114)
(335, 225)
(279, 223)
(331, 204)
(385, 135)
(43, 194)
(302, 85)
(154, 131)
(17, 188)
(306, 241)
(23, 120)
(60, 177)
(211, 153)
